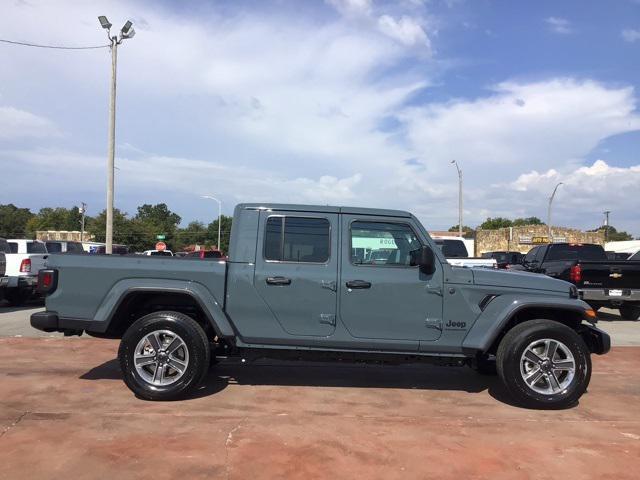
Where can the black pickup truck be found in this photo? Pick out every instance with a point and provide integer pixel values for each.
(601, 282)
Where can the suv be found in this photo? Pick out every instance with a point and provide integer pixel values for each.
(296, 287)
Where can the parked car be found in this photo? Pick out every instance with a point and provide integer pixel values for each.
(601, 282)
(617, 255)
(26, 257)
(158, 253)
(456, 254)
(505, 259)
(63, 246)
(208, 254)
(293, 289)
(4, 280)
(102, 249)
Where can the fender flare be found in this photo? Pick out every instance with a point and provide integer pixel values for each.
(211, 307)
(500, 311)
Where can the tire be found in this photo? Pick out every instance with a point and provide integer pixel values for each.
(548, 388)
(17, 297)
(485, 365)
(630, 312)
(165, 371)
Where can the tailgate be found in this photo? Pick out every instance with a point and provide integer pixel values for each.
(622, 274)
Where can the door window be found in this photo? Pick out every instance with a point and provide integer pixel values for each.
(297, 239)
(382, 243)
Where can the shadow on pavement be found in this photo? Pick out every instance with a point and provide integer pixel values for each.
(297, 374)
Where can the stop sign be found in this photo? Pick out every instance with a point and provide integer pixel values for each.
(161, 246)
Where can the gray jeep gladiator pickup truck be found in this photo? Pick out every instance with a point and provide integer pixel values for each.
(308, 282)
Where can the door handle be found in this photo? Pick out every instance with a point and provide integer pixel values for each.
(358, 284)
(278, 281)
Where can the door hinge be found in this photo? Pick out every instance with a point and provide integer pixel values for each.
(328, 319)
(330, 285)
(434, 323)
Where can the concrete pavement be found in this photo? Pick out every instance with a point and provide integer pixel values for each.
(65, 413)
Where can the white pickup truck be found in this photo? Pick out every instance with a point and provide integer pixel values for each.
(4, 249)
(455, 251)
(24, 259)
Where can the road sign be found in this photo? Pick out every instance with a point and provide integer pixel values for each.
(160, 237)
(161, 246)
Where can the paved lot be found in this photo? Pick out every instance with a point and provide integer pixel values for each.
(64, 413)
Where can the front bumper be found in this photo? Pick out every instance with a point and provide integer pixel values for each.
(598, 341)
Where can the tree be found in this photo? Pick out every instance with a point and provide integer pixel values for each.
(520, 222)
(613, 235)
(496, 223)
(13, 221)
(59, 218)
(467, 232)
(225, 233)
(195, 233)
(126, 231)
(153, 220)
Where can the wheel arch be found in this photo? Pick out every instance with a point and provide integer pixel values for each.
(128, 301)
(487, 332)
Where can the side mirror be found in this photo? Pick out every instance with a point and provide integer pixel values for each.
(424, 258)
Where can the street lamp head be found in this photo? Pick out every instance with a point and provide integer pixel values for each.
(104, 23)
(127, 30)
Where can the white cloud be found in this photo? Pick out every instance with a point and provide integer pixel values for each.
(406, 30)
(15, 123)
(630, 35)
(352, 7)
(559, 25)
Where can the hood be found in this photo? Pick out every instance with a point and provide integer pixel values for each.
(519, 279)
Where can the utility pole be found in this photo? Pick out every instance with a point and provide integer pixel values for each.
(459, 197)
(83, 211)
(210, 197)
(126, 32)
(549, 211)
(606, 224)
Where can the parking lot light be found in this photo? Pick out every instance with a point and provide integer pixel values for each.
(549, 211)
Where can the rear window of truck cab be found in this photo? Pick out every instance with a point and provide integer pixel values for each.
(297, 239)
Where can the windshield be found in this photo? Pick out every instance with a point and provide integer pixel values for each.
(635, 256)
(568, 251)
(452, 248)
(36, 247)
(54, 247)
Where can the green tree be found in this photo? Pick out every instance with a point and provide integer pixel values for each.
(520, 222)
(59, 218)
(225, 233)
(152, 220)
(467, 232)
(495, 223)
(613, 235)
(195, 233)
(126, 231)
(13, 221)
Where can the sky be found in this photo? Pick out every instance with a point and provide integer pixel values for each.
(341, 102)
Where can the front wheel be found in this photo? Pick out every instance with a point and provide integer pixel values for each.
(544, 364)
(630, 312)
(164, 355)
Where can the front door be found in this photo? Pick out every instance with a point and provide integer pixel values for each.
(381, 295)
(297, 270)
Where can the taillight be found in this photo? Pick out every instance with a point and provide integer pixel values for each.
(25, 266)
(575, 275)
(47, 280)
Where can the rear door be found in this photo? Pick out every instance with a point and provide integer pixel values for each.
(381, 295)
(297, 270)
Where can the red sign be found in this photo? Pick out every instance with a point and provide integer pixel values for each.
(161, 246)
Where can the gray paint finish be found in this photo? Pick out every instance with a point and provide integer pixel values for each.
(404, 310)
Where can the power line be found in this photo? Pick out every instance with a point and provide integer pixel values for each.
(57, 47)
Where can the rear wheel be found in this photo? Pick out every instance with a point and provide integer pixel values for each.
(630, 312)
(544, 364)
(164, 355)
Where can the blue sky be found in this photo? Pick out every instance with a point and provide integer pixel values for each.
(357, 102)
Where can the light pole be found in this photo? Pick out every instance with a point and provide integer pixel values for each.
(219, 215)
(126, 32)
(82, 210)
(549, 211)
(606, 224)
(459, 197)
